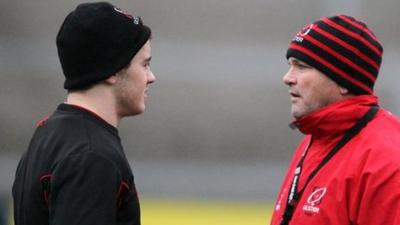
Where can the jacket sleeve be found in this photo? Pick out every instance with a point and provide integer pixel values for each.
(84, 188)
(378, 199)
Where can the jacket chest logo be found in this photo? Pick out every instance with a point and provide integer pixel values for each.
(313, 201)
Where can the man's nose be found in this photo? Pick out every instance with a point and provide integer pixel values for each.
(151, 78)
(289, 78)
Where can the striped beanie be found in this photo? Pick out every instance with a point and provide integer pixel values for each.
(343, 48)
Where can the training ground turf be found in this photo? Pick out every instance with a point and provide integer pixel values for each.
(200, 212)
(210, 212)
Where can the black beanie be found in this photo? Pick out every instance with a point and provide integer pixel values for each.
(96, 41)
(343, 48)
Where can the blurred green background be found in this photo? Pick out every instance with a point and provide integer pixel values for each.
(214, 143)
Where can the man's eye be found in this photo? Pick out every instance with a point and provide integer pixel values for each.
(303, 66)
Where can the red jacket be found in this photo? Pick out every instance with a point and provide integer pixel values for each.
(360, 185)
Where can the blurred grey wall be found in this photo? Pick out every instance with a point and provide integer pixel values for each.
(218, 95)
(219, 65)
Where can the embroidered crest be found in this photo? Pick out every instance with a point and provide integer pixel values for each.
(136, 19)
(299, 37)
(315, 198)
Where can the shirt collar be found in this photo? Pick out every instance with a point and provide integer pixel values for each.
(336, 118)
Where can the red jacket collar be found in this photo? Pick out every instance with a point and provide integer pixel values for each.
(336, 118)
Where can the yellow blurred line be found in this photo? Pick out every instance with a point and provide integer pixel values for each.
(201, 212)
(10, 217)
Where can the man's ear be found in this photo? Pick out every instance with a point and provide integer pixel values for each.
(344, 91)
(111, 80)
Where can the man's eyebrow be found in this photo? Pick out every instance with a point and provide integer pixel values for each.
(296, 61)
(292, 60)
(148, 59)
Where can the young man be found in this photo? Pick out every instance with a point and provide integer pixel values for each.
(75, 170)
(346, 171)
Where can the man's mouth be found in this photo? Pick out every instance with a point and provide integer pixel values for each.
(294, 94)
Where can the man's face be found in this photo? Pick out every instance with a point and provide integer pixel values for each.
(133, 83)
(309, 89)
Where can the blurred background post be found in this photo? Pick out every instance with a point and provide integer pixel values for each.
(214, 143)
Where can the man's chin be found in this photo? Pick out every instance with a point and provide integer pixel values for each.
(296, 113)
(134, 112)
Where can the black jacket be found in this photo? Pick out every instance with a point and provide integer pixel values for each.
(75, 173)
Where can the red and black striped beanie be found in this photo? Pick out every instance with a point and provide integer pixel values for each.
(343, 48)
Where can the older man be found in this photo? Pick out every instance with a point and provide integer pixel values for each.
(346, 170)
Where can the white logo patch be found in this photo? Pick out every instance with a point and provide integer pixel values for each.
(299, 37)
(315, 198)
